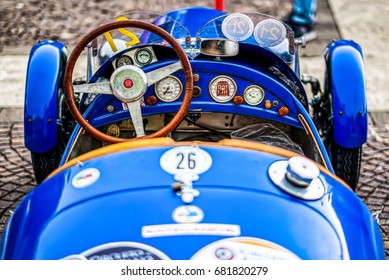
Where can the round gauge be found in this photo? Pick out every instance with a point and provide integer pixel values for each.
(143, 56)
(168, 89)
(253, 95)
(123, 60)
(222, 89)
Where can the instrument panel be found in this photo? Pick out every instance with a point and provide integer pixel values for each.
(221, 89)
(139, 57)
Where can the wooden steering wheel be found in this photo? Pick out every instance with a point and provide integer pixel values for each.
(128, 83)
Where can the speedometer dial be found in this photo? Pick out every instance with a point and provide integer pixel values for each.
(168, 89)
(222, 89)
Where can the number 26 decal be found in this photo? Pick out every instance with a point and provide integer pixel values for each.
(185, 159)
(134, 39)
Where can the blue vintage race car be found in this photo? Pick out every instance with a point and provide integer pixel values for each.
(191, 137)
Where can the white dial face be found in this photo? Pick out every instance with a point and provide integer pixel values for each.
(222, 89)
(168, 89)
(143, 56)
(253, 95)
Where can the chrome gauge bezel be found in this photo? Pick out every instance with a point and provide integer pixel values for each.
(137, 55)
(159, 93)
(247, 92)
(120, 58)
(212, 88)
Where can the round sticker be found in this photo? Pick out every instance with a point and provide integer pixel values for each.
(85, 177)
(188, 214)
(244, 248)
(237, 27)
(269, 32)
(121, 251)
(185, 159)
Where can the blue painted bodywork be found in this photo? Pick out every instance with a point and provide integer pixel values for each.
(346, 84)
(44, 74)
(133, 190)
(337, 226)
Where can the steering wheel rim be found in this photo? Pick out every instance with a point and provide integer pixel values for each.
(80, 46)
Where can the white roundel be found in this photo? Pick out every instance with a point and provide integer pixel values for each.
(244, 248)
(188, 214)
(269, 32)
(85, 177)
(185, 159)
(237, 27)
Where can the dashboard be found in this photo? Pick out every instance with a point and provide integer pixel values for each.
(233, 85)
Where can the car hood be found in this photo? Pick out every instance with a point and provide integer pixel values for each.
(128, 199)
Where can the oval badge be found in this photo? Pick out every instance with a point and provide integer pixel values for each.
(120, 251)
(185, 159)
(85, 177)
(188, 214)
(244, 248)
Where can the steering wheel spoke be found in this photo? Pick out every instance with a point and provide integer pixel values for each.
(160, 73)
(136, 116)
(128, 83)
(97, 88)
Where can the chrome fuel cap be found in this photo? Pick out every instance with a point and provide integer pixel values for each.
(301, 171)
(297, 176)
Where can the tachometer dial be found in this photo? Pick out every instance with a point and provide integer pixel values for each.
(143, 56)
(123, 60)
(168, 89)
(253, 95)
(222, 89)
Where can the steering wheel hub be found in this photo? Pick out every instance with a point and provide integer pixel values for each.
(128, 83)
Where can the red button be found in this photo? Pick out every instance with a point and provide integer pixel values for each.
(127, 83)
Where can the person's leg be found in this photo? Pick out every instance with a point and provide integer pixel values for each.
(302, 18)
(303, 12)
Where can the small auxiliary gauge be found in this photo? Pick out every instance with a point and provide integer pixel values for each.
(253, 95)
(123, 60)
(143, 56)
(168, 89)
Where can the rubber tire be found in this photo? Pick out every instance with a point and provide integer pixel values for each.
(44, 163)
(347, 164)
